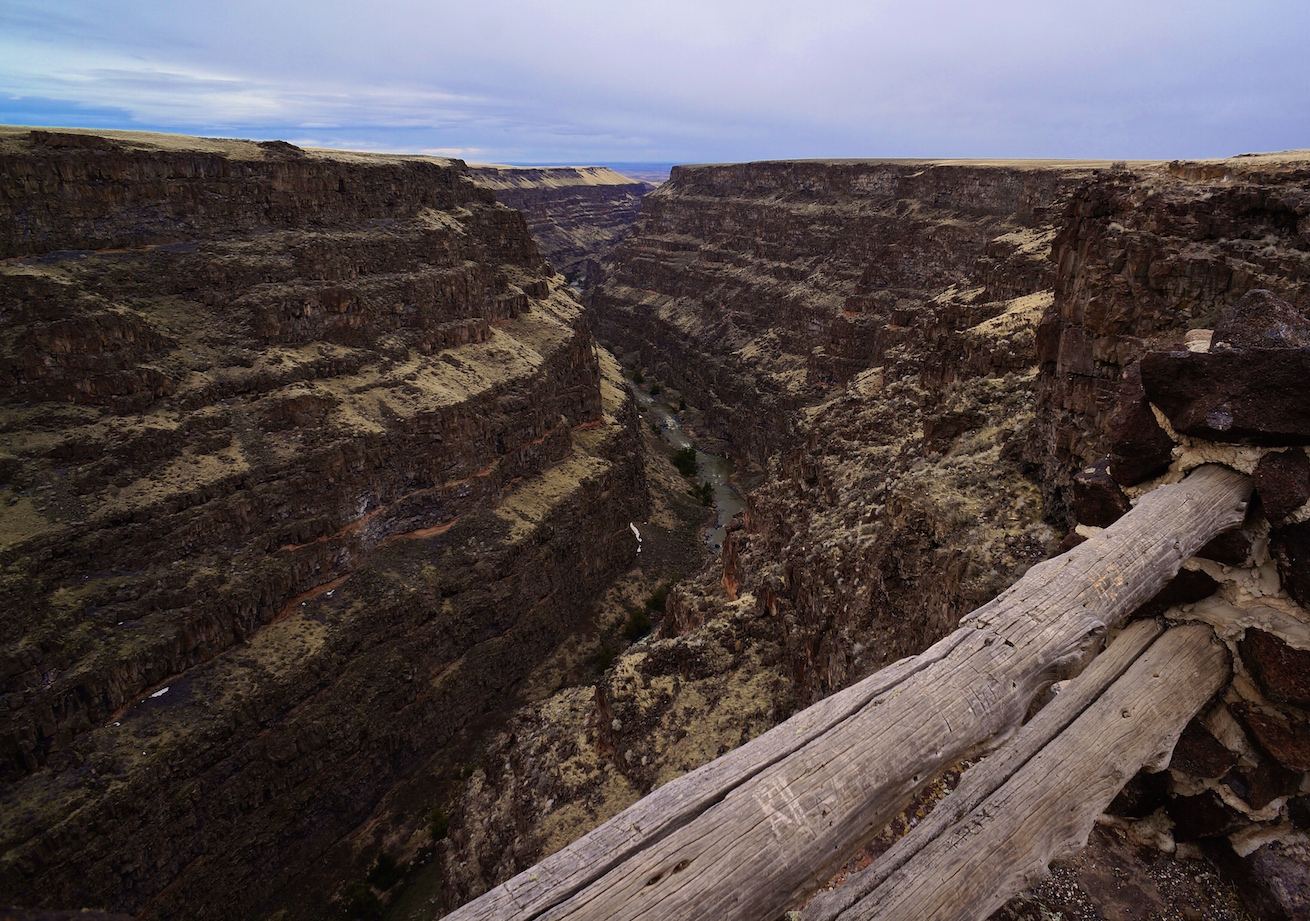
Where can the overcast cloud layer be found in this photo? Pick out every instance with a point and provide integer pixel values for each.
(576, 81)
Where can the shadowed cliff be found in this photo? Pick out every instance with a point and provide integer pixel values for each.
(575, 213)
(895, 349)
(308, 459)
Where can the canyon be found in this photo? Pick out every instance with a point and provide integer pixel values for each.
(911, 363)
(576, 214)
(309, 460)
(315, 469)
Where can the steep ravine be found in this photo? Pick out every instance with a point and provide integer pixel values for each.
(576, 214)
(858, 337)
(308, 460)
(912, 359)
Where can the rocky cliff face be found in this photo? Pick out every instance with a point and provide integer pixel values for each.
(864, 332)
(913, 360)
(765, 286)
(307, 460)
(575, 213)
(860, 335)
(1144, 256)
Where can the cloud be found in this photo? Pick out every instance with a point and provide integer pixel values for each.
(679, 80)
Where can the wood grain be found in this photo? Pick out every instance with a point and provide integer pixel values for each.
(1047, 808)
(984, 779)
(749, 835)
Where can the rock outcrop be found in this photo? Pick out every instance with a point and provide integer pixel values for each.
(925, 366)
(1144, 256)
(307, 460)
(576, 213)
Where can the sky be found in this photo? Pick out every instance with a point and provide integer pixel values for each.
(680, 81)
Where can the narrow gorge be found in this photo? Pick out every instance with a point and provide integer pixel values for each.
(335, 517)
(912, 364)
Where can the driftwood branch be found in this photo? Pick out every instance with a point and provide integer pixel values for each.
(749, 835)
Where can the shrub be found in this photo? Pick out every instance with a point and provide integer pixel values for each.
(439, 825)
(655, 390)
(685, 461)
(361, 902)
(638, 625)
(704, 492)
(638, 377)
(658, 599)
(385, 872)
(604, 656)
(682, 405)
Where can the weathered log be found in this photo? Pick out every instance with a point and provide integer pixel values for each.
(1047, 806)
(750, 834)
(673, 805)
(983, 780)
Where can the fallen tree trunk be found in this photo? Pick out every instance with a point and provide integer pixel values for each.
(749, 835)
(1037, 799)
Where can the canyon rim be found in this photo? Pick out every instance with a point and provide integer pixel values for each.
(333, 500)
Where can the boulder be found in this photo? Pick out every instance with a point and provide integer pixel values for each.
(1188, 587)
(1287, 740)
(1200, 754)
(1070, 540)
(1282, 480)
(1140, 449)
(1142, 795)
(1232, 548)
(1261, 320)
(1243, 396)
(1275, 880)
(1298, 810)
(1290, 548)
(1282, 672)
(1097, 499)
(1265, 782)
(1205, 815)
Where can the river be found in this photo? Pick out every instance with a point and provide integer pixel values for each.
(712, 468)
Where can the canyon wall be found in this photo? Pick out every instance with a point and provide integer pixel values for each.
(862, 334)
(859, 336)
(575, 213)
(1143, 256)
(307, 459)
(912, 362)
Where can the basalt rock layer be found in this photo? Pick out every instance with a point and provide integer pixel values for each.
(864, 331)
(307, 459)
(764, 286)
(575, 213)
(1144, 256)
(860, 336)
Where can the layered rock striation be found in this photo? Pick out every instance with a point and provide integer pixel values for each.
(863, 332)
(922, 366)
(307, 459)
(860, 337)
(762, 286)
(1144, 256)
(576, 213)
